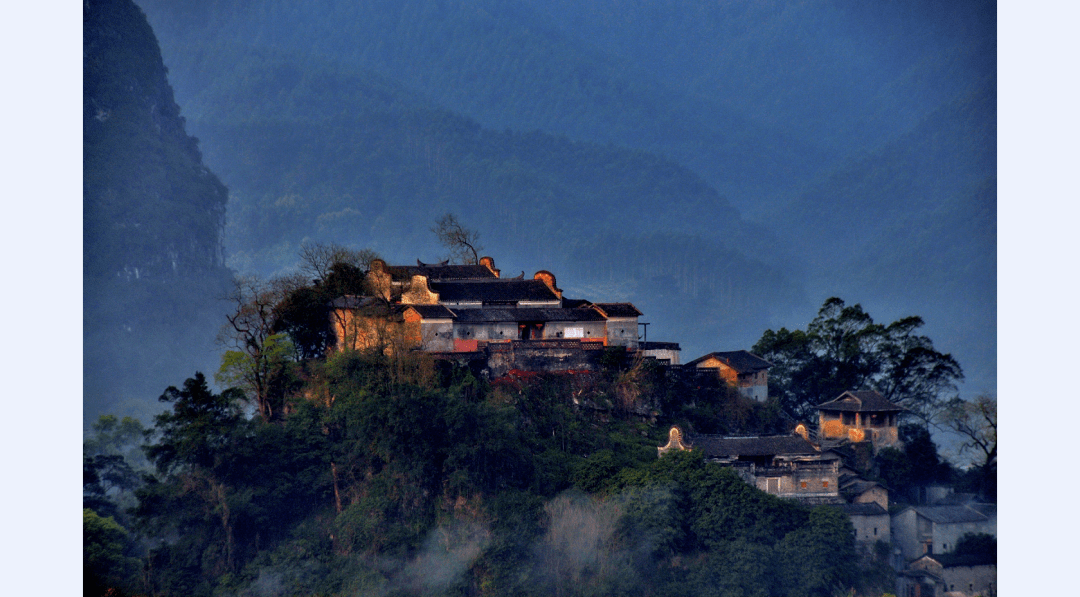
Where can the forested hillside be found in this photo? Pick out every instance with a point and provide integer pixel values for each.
(725, 166)
(405, 476)
(153, 262)
(373, 117)
(399, 472)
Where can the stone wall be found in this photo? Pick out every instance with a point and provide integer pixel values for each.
(543, 355)
(871, 529)
(622, 332)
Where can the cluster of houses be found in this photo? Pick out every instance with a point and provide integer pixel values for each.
(810, 470)
(471, 313)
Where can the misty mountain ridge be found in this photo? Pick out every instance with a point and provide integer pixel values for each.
(755, 96)
(361, 123)
(153, 260)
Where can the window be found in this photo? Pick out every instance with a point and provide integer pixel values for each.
(875, 531)
(803, 484)
(825, 484)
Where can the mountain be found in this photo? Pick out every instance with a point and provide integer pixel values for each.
(915, 223)
(758, 106)
(153, 261)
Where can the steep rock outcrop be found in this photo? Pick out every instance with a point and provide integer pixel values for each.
(153, 218)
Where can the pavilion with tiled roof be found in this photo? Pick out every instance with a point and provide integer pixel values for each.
(860, 416)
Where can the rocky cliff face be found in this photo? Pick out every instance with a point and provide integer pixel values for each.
(151, 207)
(153, 218)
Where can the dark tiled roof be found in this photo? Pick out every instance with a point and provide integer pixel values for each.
(570, 303)
(920, 574)
(776, 445)
(494, 291)
(432, 311)
(865, 509)
(950, 514)
(949, 560)
(865, 401)
(618, 309)
(856, 486)
(740, 360)
(437, 273)
(498, 314)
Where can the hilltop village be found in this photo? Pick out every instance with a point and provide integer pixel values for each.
(380, 421)
(500, 326)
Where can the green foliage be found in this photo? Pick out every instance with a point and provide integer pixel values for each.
(226, 485)
(710, 405)
(113, 435)
(107, 483)
(108, 562)
(917, 465)
(197, 430)
(303, 312)
(712, 534)
(975, 423)
(395, 464)
(843, 349)
(980, 544)
(112, 461)
(817, 558)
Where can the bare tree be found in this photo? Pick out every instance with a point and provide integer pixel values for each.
(257, 356)
(975, 421)
(317, 259)
(463, 243)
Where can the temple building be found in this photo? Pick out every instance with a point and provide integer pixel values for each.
(444, 308)
(787, 466)
(860, 416)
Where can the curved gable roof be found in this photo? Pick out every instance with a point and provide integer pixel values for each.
(494, 290)
(861, 401)
(618, 309)
(741, 361)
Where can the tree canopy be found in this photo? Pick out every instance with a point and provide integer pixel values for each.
(975, 423)
(386, 465)
(843, 349)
